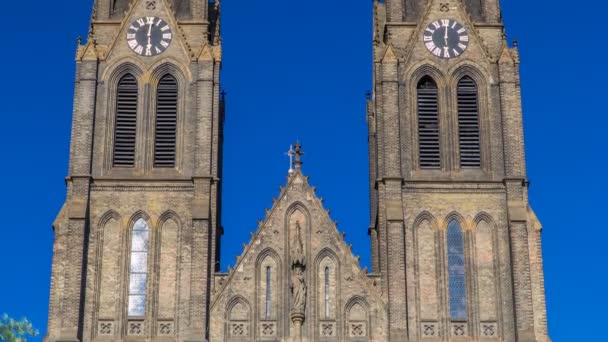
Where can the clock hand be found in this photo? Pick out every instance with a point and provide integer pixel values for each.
(150, 35)
(446, 36)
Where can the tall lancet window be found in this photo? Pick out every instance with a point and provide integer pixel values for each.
(456, 272)
(268, 291)
(326, 292)
(429, 148)
(125, 127)
(165, 142)
(468, 124)
(138, 271)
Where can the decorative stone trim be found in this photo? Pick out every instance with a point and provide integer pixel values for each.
(165, 328)
(489, 329)
(105, 328)
(429, 329)
(328, 329)
(239, 329)
(268, 329)
(357, 329)
(136, 328)
(459, 329)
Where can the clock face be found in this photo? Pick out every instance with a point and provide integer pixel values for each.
(446, 38)
(149, 36)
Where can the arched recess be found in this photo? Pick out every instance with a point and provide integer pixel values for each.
(269, 280)
(471, 120)
(469, 135)
(357, 320)
(486, 269)
(110, 256)
(427, 261)
(169, 86)
(169, 247)
(122, 121)
(125, 124)
(327, 270)
(428, 123)
(238, 319)
(298, 224)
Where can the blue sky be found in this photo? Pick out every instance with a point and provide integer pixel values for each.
(300, 70)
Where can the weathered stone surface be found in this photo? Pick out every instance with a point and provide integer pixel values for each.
(297, 280)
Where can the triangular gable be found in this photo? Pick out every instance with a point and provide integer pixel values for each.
(138, 10)
(434, 10)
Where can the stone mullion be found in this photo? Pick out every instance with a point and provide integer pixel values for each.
(56, 303)
(497, 162)
(200, 275)
(382, 239)
(185, 280)
(394, 10)
(198, 8)
(203, 120)
(413, 316)
(442, 280)
(396, 281)
(512, 120)
(72, 294)
(538, 285)
(380, 139)
(473, 297)
(390, 109)
(83, 117)
(506, 324)
(521, 279)
(492, 11)
(373, 235)
(102, 9)
(91, 304)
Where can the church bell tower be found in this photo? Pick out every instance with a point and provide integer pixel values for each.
(137, 241)
(454, 239)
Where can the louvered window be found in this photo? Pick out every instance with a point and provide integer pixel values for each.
(468, 124)
(166, 122)
(126, 122)
(428, 125)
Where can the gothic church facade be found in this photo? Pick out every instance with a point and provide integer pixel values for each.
(456, 247)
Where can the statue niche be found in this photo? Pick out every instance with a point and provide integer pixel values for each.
(298, 286)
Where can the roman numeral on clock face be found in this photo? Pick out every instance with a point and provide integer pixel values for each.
(149, 36)
(446, 38)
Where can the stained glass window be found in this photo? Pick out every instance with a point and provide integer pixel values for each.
(138, 271)
(456, 272)
(268, 293)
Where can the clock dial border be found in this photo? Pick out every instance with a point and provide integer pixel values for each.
(149, 36)
(446, 38)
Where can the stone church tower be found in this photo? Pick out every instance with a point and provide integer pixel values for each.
(454, 239)
(137, 241)
(456, 247)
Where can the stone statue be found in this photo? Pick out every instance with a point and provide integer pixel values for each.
(298, 281)
(299, 290)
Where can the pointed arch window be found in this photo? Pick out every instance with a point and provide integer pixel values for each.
(456, 272)
(165, 139)
(125, 128)
(138, 271)
(468, 123)
(268, 292)
(326, 292)
(428, 124)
